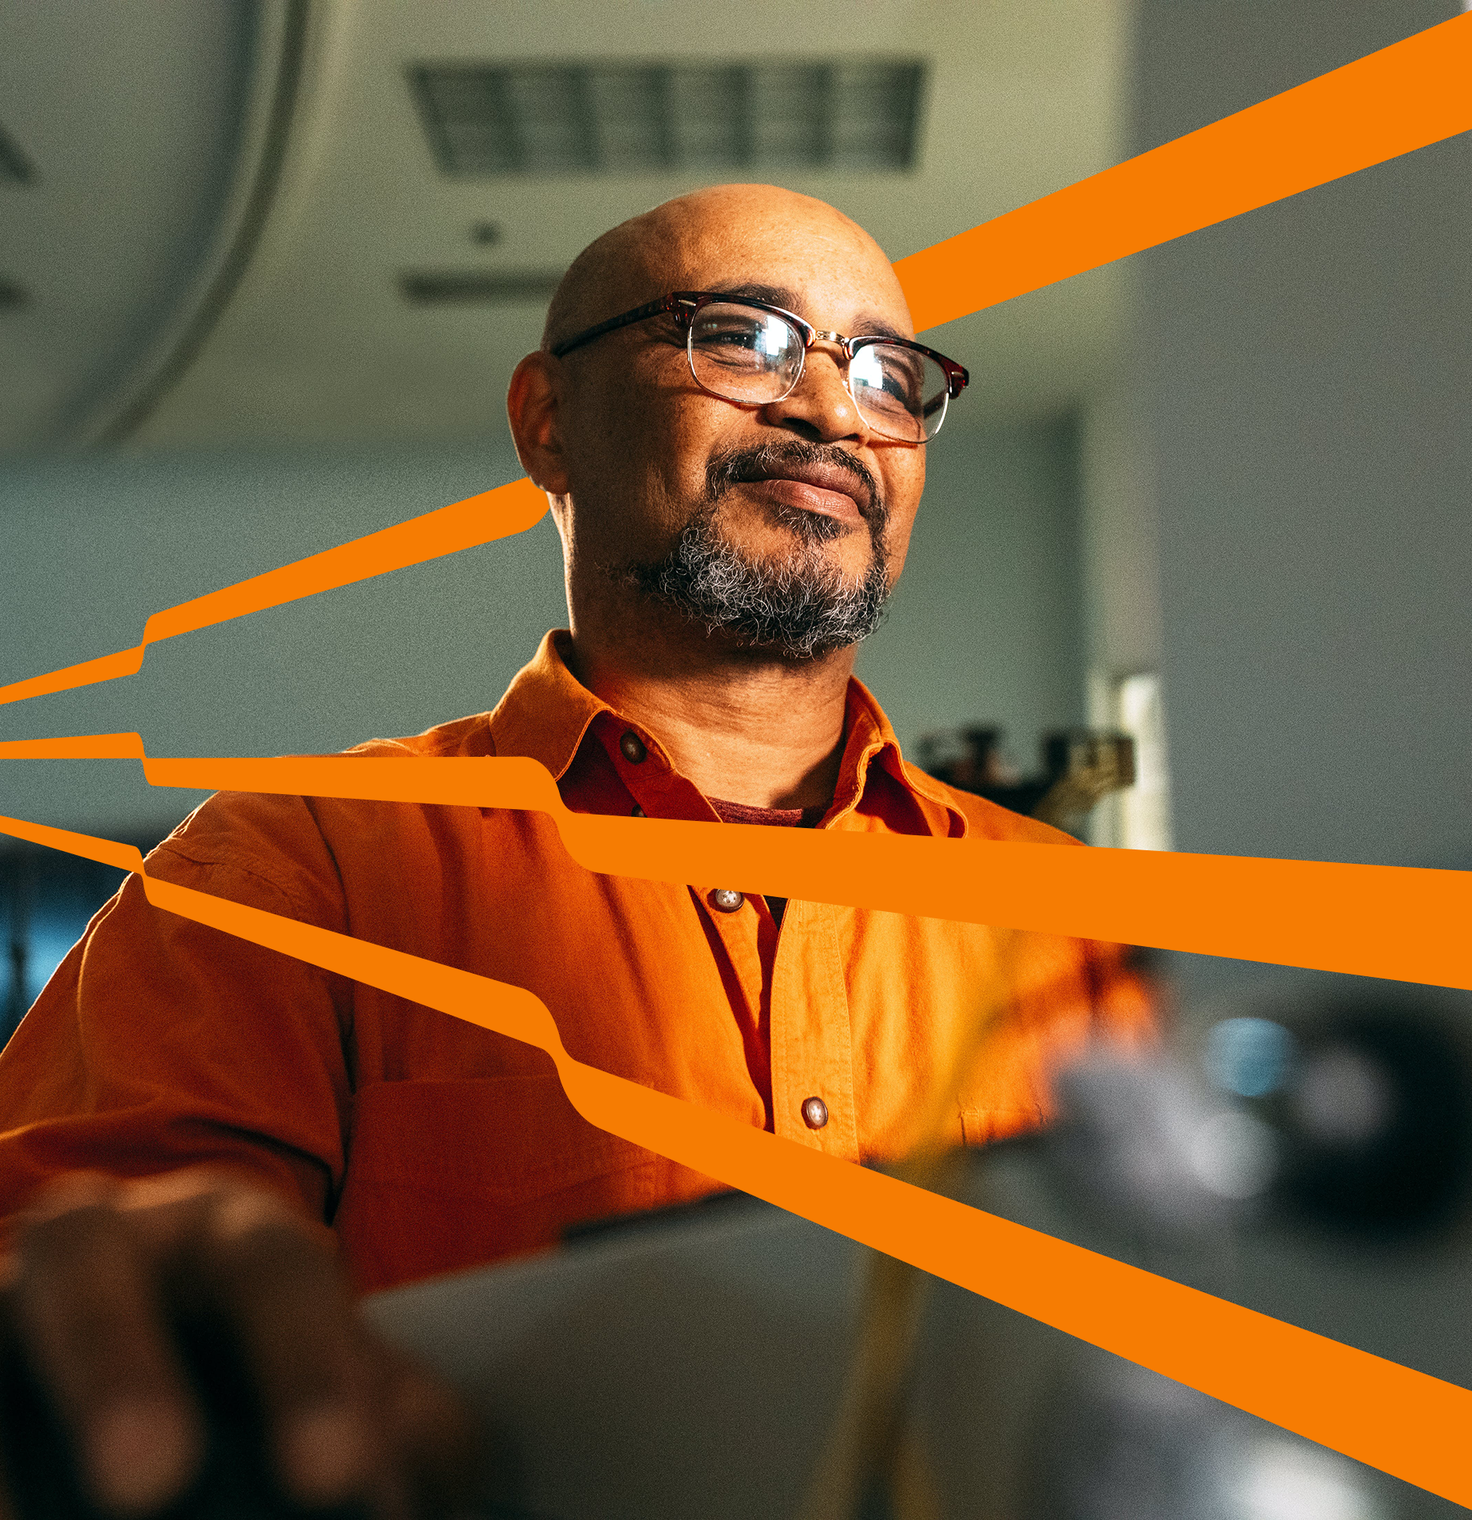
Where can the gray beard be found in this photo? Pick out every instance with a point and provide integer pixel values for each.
(799, 607)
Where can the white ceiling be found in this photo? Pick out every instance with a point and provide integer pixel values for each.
(316, 344)
(128, 114)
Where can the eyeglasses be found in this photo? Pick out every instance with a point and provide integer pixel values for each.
(749, 351)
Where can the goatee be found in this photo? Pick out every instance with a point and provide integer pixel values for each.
(799, 606)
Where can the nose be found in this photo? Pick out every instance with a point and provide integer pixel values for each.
(820, 407)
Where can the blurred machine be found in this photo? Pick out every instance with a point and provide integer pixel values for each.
(1311, 1162)
(1080, 767)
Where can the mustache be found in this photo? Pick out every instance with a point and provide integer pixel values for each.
(740, 466)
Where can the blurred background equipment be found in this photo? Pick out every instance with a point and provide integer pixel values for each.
(1372, 1105)
(1119, 1442)
(1080, 768)
(638, 1371)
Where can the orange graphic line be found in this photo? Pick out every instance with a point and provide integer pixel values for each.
(1404, 97)
(1402, 923)
(1389, 103)
(476, 520)
(1376, 1411)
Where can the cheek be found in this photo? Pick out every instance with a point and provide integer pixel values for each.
(650, 438)
(904, 482)
(637, 472)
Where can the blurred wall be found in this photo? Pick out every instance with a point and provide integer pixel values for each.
(985, 624)
(95, 544)
(1304, 373)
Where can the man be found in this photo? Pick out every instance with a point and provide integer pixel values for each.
(735, 490)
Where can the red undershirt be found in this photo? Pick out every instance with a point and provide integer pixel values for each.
(786, 818)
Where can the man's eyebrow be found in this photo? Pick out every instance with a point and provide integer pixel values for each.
(776, 295)
(868, 326)
(877, 327)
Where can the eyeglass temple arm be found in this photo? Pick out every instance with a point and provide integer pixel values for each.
(627, 319)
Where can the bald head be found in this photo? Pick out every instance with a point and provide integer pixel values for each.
(774, 527)
(676, 246)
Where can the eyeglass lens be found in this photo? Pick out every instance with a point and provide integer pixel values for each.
(742, 354)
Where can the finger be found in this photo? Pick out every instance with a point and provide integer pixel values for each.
(290, 1313)
(95, 1332)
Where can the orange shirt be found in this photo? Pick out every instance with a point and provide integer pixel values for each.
(431, 1144)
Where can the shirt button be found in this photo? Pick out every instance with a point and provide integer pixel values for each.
(814, 1113)
(726, 900)
(633, 747)
(636, 811)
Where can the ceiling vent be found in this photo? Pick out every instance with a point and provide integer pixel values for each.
(15, 167)
(857, 116)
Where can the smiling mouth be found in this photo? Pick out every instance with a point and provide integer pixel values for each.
(820, 491)
(805, 496)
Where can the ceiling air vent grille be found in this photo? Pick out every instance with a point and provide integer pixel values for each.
(849, 116)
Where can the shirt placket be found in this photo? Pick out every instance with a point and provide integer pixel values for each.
(811, 1034)
(738, 919)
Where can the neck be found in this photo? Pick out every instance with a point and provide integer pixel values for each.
(741, 725)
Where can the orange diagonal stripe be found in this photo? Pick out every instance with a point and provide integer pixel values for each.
(1373, 1410)
(107, 667)
(77, 747)
(1398, 922)
(1404, 97)
(462, 525)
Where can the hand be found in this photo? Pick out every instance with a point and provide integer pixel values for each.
(112, 1290)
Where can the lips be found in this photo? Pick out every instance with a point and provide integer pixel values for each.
(824, 480)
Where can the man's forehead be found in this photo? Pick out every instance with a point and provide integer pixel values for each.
(756, 240)
(809, 256)
(866, 321)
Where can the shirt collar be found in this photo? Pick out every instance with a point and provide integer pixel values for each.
(547, 711)
(871, 743)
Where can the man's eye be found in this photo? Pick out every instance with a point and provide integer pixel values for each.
(730, 335)
(892, 377)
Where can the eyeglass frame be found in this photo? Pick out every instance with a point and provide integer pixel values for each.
(685, 305)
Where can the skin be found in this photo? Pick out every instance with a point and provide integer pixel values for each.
(620, 437)
(97, 1269)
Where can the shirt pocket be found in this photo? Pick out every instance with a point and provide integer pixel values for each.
(446, 1175)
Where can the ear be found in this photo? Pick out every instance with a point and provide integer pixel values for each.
(533, 408)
